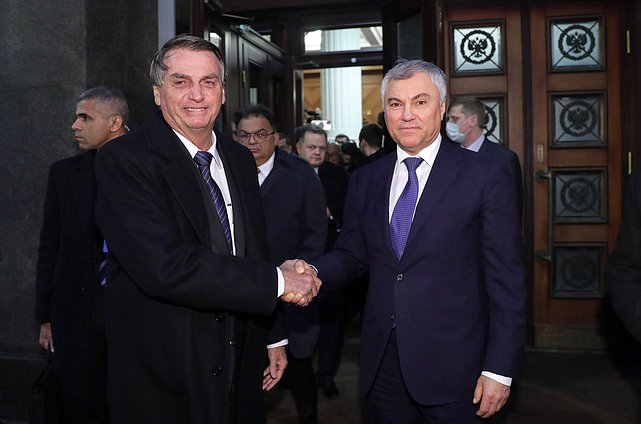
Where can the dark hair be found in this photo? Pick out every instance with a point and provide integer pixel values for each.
(299, 133)
(471, 106)
(182, 41)
(111, 98)
(256, 110)
(343, 136)
(373, 134)
(358, 158)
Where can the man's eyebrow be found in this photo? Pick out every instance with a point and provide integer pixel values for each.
(418, 96)
(179, 75)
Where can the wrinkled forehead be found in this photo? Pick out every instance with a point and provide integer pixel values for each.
(313, 139)
(194, 63)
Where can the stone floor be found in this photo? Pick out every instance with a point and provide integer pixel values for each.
(556, 387)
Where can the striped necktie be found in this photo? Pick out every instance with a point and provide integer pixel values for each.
(203, 160)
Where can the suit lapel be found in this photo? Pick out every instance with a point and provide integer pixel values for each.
(381, 197)
(181, 174)
(277, 172)
(445, 169)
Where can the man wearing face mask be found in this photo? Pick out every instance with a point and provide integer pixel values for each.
(465, 120)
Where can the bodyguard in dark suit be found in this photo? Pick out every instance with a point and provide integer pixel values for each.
(466, 118)
(294, 207)
(438, 229)
(70, 296)
(191, 297)
(623, 268)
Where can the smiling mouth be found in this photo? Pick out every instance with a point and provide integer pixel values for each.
(195, 109)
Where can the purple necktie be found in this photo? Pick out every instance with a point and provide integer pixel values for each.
(203, 160)
(401, 221)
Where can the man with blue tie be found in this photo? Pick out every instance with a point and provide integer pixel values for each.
(191, 295)
(439, 230)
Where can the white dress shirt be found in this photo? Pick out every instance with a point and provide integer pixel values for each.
(266, 168)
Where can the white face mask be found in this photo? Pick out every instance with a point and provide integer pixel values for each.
(453, 131)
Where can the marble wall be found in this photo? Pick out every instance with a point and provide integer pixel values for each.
(49, 53)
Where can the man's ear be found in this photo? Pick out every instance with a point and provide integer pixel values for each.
(116, 123)
(156, 95)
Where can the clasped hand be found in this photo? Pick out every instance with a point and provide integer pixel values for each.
(301, 282)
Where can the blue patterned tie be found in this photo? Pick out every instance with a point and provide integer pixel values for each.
(401, 221)
(203, 160)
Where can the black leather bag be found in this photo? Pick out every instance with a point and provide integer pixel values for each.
(45, 403)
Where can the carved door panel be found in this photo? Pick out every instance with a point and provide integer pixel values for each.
(577, 166)
(549, 77)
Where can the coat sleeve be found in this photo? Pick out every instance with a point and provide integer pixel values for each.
(47, 250)
(348, 259)
(623, 267)
(155, 245)
(504, 271)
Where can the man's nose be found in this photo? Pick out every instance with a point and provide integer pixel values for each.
(76, 125)
(196, 93)
(408, 114)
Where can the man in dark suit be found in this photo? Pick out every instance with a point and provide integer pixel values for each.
(438, 229)
(191, 298)
(466, 118)
(294, 207)
(70, 296)
(312, 145)
(623, 268)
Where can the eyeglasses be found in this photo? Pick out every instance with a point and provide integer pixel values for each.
(259, 136)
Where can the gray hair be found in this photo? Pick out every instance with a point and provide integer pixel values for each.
(182, 41)
(113, 100)
(405, 69)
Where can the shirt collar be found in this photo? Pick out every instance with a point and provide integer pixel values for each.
(267, 167)
(428, 154)
(476, 146)
(192, 149)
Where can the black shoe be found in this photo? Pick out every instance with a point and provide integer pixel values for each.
(330, 391)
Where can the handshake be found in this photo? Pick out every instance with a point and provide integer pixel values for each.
(301, 282)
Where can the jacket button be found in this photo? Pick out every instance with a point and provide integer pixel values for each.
(218, 317)
(232, 343)
(399, 277)
(218, 370)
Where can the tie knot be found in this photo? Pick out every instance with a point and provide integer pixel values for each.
(412, 163)
(203, 158)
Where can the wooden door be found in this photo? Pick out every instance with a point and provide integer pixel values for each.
(549, 77)
(576, 146)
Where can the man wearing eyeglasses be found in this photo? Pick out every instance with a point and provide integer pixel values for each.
(294, 207)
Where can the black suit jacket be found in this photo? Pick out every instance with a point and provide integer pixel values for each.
(294, 206)
(185, 320)
(502, 153)
(334, 179)
(623, 268)
(66, 274)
